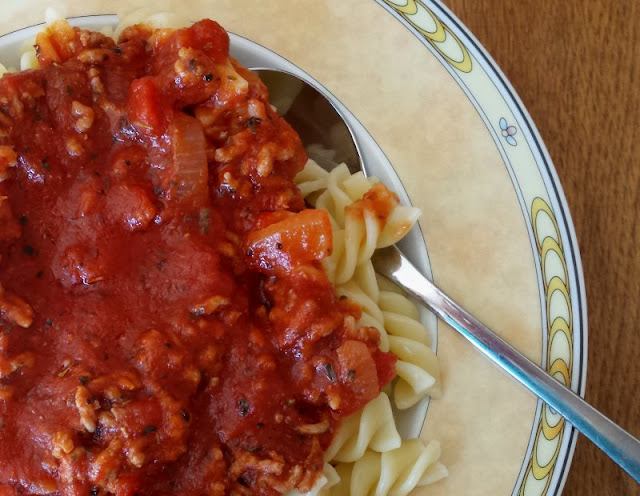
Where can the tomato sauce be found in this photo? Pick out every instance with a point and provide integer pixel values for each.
(165, 323)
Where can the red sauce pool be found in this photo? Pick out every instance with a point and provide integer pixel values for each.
(165, 325)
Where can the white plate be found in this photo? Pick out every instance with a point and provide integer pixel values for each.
(438, 121)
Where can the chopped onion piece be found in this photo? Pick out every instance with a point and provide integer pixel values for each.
(190, 174)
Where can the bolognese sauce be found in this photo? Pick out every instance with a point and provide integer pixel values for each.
(165, 323)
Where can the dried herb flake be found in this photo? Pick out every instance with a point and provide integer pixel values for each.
(252, 122)
(203, 220)
(328, 370)
(243, 405)
(149, 429)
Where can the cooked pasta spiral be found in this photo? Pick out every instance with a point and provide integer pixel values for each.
(396, 317)
(357, 231)
(393, 473)
(355, 238)
(325, 482)
(417, 367)
(367, 453)
(373, 428)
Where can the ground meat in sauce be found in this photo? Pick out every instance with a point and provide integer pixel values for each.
(165, 324)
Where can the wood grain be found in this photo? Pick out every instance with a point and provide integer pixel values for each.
(576, 66)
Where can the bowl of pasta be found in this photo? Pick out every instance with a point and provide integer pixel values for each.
(187, 300)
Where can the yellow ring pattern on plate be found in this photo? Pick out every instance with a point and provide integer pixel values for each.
(427, 23)
(546, 447)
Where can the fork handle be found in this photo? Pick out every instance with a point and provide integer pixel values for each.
(616, 443)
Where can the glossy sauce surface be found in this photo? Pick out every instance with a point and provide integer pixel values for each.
(165, 323)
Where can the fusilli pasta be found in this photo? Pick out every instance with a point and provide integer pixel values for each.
(394, 473)
(373, 428)
(368, 455)
(356, 236)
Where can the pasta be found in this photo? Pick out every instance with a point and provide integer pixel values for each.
(357, 232)
(393, 473)
(368, 455)
(328, 480)
(356, 235)
(371, 429)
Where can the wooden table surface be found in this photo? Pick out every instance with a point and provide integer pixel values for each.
(576, 66)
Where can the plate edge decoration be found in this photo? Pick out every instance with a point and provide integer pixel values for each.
(549, 432)
(416, 13)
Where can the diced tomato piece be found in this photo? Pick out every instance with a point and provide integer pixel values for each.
(55, 44)
(357, 370)
(209, 36)
(205, 35)
(296, 240)
(265, 219)
(144, 105)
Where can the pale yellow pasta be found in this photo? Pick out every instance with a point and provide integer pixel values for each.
(398, 225)
(373, 428)
(354, 238)
(393, 473)
(357, 236)
(350, 269)
(325, 482)
(417, 371)
(364, 466)
(365, 276)
(417, 367)
(28, 60)
(395, 316)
